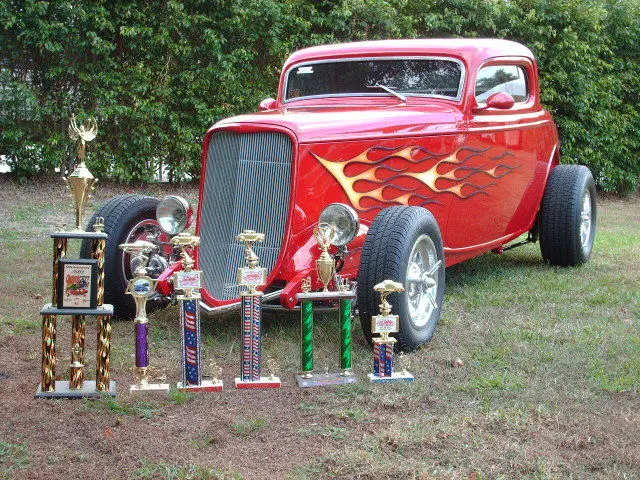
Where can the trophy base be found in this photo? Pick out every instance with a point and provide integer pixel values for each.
(406, 376)
(325, 380)
(264, 382)
(88, 390)
(205, 386)
(149, 387)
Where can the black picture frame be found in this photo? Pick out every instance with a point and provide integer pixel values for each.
(81, 293)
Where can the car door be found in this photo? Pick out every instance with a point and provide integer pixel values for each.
(497, 163)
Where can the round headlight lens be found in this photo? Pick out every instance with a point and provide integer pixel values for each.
(345, 221)
(174, 214)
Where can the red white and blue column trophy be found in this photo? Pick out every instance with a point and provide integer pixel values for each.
(252, 276)
(189, 282)
(384, 324)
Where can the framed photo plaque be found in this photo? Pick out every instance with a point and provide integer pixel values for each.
(77, 283)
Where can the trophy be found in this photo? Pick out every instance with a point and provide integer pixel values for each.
(252, 276)
(189, 282)
(325, 265)
(344, 294)
(384, 324)
(81, 182)
(77, 291)
(141, 287)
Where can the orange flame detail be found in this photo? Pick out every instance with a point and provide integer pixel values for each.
(461, 173)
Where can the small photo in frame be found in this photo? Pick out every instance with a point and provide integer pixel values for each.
(77, 283)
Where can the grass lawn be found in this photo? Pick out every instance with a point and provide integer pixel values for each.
(547, 383)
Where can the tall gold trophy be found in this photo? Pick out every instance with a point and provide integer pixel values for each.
(78, 292)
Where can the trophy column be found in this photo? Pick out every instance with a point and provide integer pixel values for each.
(141, 287)
(306, 338)
(49, 322)
(384, 324)
(252, 276)
(103, 324)
(189, 282)
(76, 368)
(345, 336)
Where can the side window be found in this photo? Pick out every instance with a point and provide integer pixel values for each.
(510, 79)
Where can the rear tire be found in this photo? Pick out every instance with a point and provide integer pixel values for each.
(403, 244)
(120, 214)
(567, 219)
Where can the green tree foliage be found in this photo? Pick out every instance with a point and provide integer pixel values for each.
(157, 74)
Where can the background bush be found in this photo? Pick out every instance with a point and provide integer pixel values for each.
(158, 74)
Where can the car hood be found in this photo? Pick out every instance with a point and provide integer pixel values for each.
(320, 124)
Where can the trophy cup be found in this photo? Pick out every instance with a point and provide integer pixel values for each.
(141, 287)
(81, 182)
(325, 265)
(252, 276)
(78, 291)
(189, 282)
(344, 294)
(384, 324)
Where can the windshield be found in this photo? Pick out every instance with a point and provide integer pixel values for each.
(432, 77)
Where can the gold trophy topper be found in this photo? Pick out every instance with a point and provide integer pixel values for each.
(252, 275)
(326, 265)
(385, 323)
(306, 285)
(186, 241)
(81, 182)
(249, 237)
(189, 279)
(386, 288)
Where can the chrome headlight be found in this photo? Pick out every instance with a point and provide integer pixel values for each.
(174, 214)
(344, 220)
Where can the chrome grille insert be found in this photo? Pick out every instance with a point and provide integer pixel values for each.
(247, 186)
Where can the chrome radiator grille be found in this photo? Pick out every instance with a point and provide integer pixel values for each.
(247, 186)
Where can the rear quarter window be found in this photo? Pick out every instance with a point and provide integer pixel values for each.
(511, 79)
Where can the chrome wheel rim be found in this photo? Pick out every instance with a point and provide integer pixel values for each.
(585, 220)
(148, 230)
(421, 283)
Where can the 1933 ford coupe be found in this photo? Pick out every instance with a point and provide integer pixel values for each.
(420, 154)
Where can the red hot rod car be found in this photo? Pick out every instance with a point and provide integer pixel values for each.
(420, 153)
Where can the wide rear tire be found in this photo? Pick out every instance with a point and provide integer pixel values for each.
(121, 214)
(404, 244)
(567, 219)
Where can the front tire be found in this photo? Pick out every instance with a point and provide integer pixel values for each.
(567, 219)
(404, 244)
(126, 219)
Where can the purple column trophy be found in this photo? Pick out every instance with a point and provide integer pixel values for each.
(141, 287)
(189, 281)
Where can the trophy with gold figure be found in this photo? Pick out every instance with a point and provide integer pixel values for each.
(78, 291)
(384, 324)
(188, 281)
(252, 276)
(344, 293)
(141, 287)
(81, 182)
